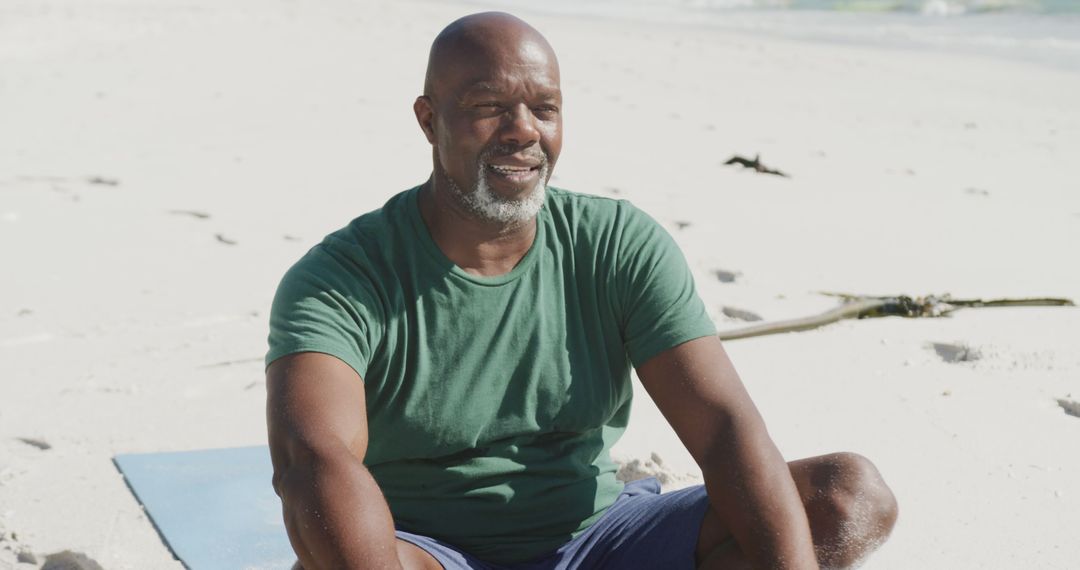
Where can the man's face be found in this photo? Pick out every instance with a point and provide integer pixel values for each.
(498, 129)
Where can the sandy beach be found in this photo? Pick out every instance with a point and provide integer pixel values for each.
(162, 164)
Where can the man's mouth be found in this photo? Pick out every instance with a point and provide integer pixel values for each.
(513, 173)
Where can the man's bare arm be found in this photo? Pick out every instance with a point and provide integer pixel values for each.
(749, 484)
(335, 514)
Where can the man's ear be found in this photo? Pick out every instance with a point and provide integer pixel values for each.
(425, 115)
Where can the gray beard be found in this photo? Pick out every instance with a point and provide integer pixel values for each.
(490, 207)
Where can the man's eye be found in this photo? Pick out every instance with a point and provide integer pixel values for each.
(546, 111)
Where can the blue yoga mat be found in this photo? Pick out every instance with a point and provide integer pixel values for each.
(214, 508)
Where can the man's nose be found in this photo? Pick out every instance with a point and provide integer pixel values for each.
(520, 127)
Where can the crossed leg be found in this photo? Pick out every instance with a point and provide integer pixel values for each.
(412, 557)
(850, 508)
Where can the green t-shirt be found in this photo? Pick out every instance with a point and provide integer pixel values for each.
(493, 402)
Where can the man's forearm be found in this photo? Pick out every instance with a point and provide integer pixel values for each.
(336, 515)
(750, 486)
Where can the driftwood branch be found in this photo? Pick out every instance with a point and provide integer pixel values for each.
(864, 307)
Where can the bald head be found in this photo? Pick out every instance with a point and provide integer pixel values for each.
(482, 40)
(492, 111)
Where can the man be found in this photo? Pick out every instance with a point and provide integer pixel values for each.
(447, 374)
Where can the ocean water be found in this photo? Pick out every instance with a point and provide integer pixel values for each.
(932, 7)
(1040, 32)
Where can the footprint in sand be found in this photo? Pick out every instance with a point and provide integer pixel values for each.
(1071, 407)
(36, 442)
(197, 214)
(726, 276)
(955, 352)
(102, 181)
(68, 560)
(13, 553)
(740, 314)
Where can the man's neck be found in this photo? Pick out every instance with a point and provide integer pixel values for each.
(479, 247)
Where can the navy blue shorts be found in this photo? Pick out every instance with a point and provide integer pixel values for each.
(642, 529)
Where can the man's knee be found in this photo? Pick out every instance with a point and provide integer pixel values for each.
(851, 509)
(850, 487)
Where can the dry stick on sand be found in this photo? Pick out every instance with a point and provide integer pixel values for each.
(755, 164)
(864, 307)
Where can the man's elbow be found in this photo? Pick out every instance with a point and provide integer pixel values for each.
(292, 470)
(296, 463)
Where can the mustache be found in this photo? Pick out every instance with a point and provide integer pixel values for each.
(533, 152)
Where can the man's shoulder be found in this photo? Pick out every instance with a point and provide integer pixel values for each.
(592, 212)
(563, 198)
(363, 241)
(588, 207)
(373, 227)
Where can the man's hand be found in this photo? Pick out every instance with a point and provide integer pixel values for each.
(748, 482)
(335, 514)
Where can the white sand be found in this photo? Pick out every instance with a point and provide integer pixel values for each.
(283, 120)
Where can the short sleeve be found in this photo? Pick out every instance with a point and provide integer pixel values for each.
(658, 302)
(324, 304)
